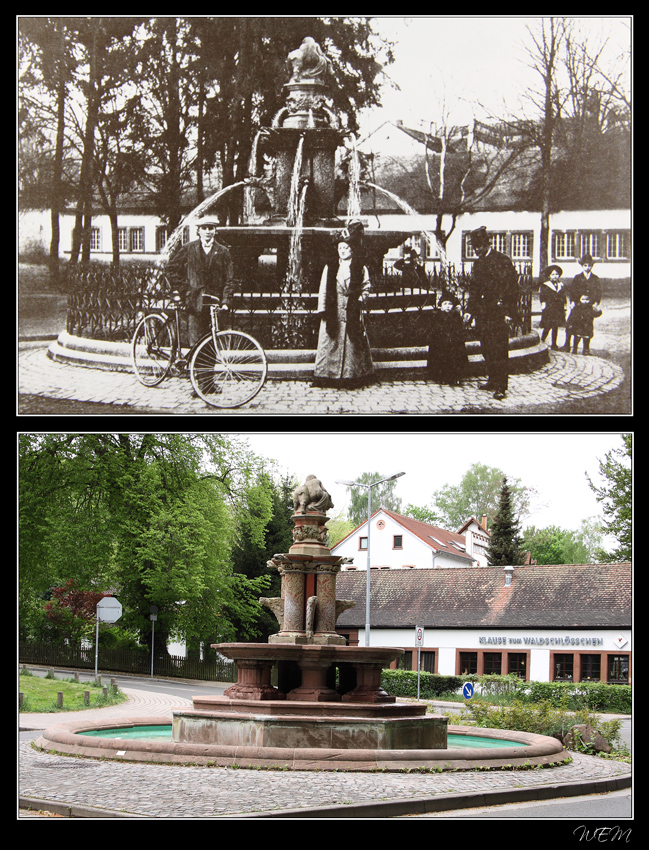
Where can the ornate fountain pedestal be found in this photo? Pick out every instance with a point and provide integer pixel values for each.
(328, 695)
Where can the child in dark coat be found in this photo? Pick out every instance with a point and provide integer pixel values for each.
(447, 358)
(552, 296)
(580, 324)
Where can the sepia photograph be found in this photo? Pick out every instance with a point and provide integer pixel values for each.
(356, 216)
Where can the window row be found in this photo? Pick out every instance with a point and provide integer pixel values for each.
(397, 542)
(602, 245)
(565, 667)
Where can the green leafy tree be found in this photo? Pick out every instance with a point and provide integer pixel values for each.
(505, 545)
(477, 494)
(554, 545)
(423, 514)
(383, 496)
(250, 557)
(615, 496)
(152, 517)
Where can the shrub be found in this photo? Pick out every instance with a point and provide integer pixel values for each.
(613, 699)
(403, 683)
(541, 718)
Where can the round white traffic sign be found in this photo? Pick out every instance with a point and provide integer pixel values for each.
(109, 609)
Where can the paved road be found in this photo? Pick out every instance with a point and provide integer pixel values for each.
(570, 383)
(93, 788)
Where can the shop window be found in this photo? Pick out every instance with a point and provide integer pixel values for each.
(492, 663)
(517, 664)
(427, 662)
(562, 668)
(590, 666)
(468, 663)
(618, 669)
(405, 662)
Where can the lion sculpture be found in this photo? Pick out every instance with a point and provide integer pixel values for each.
(311, 496)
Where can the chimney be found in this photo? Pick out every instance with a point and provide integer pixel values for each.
(484, 522)
(509, 573)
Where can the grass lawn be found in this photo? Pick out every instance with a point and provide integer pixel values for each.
(40, 695)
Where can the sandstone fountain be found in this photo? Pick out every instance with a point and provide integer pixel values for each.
(305, 700)
(328, 704)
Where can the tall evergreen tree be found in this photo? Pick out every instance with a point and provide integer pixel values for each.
(505, 547)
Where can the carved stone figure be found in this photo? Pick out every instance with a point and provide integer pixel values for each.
(276, 605)
(311, 496)
(308, 62)
(311, 605)
(343, 605)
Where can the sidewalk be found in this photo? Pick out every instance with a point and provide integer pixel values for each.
(569, 380)
(77, 787)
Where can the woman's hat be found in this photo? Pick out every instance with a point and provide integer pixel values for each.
(551, 269)
(352, 233)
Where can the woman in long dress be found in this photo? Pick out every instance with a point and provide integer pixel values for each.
(343, 357)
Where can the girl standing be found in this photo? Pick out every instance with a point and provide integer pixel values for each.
(552, 296)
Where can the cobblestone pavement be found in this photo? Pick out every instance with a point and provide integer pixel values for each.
(567, 379)
(171, 791)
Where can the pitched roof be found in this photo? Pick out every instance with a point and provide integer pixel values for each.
(438, 539)
(547, 596)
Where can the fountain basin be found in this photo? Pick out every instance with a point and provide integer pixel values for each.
(510, 749)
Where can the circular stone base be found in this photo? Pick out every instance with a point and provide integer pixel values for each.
(535, 750)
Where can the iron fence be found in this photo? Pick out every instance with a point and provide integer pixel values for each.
(121, 661)
(106, 305)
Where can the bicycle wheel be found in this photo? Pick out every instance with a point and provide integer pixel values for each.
(229, 373)
(153, 349)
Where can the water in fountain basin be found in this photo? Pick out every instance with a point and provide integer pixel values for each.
(163, 733)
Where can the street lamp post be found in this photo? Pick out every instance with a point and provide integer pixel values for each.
(368, 487)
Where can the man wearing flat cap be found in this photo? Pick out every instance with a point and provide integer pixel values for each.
(493, 303)
(202, 267)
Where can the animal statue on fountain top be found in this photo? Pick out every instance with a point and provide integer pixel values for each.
(311, 496)
(308, 62)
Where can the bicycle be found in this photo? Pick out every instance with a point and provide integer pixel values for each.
(226, 368)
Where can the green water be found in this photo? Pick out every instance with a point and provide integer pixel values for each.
(163, 733)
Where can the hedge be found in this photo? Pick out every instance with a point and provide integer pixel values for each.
(403, 683)
(597, 696)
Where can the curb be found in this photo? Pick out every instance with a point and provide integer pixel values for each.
(384, 809)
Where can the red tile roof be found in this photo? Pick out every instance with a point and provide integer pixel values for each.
(547, 596)
(425, 533)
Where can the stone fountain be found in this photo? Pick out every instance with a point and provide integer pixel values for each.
(304, 700)
(328, 701)
(286, 208)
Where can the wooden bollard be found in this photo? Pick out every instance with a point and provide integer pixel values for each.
(86, 697)
(59, 699)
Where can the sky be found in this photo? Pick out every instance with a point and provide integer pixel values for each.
(458, 62)
(554, 464)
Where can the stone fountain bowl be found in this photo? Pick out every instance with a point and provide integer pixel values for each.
(534, 750)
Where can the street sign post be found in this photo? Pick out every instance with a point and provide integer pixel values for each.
(419, 642)
(109, 610)
(153, 616)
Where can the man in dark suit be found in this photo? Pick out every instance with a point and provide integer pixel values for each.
(493, 303)
(202, 267)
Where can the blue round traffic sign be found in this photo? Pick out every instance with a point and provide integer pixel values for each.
(467, 690)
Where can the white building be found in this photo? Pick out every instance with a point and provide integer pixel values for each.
(399, 542)
(541, 622)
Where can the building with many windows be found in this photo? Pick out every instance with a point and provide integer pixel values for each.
(561, 623)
